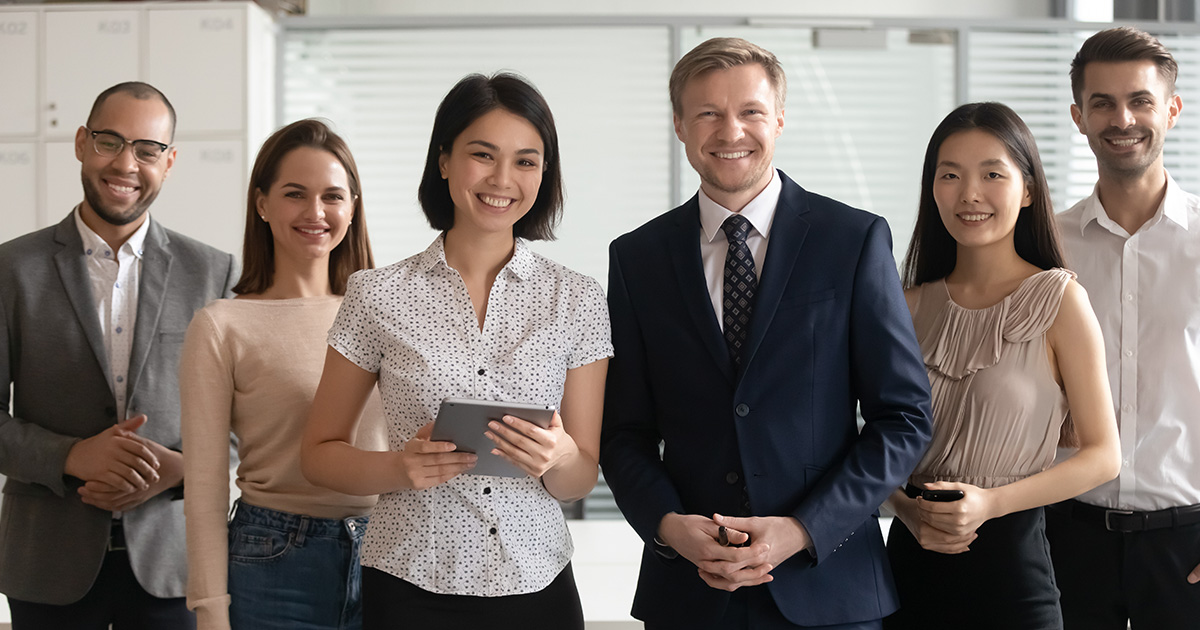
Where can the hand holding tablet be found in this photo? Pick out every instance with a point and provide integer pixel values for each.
(465, 421)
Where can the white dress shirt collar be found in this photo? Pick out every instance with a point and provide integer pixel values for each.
(93, 243)
(1174, 207)
(760, 212)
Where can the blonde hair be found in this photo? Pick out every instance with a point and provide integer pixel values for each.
(722, 53)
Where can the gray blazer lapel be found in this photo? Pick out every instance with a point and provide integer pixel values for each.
(152, 291)
(72, 269)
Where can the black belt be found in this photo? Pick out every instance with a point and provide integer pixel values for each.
(1127, 521)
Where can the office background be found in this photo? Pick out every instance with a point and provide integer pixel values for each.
(867, 83)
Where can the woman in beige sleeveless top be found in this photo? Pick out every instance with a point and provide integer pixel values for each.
(1013, 350)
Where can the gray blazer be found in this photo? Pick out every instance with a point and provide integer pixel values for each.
(51, 543)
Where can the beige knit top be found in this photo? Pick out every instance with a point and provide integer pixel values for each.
(997, 409)
(252, 367)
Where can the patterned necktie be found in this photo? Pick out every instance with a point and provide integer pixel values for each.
(740, 284)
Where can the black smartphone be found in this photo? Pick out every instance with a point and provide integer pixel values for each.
(942, 496)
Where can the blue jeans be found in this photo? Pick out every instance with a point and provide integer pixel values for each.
(294, 572)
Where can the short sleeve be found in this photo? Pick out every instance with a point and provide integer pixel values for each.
(592, 333)
(355, 332)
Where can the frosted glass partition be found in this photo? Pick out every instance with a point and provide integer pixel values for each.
(606, 87)
(858, 117)
(1029, 71)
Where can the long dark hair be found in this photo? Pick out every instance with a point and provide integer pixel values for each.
(932, 252)
(474, 96)
(258, 246)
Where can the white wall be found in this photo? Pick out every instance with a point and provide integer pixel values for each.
(774, 8)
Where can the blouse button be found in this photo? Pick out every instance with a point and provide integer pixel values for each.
(481, 371)
(487, 490)
(492, 530)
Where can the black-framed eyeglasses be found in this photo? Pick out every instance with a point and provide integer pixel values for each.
(111, 144)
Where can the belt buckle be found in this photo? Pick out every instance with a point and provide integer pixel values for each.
(1108, 520)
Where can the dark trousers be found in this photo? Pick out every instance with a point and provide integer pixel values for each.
(391, 603)
(753, 608)
(1005, 582)
(116, 598)
(1110, 579)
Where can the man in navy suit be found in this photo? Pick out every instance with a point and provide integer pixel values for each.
(748, 324)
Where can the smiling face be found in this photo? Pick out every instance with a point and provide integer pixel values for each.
(118, 190)
(728, 123)
(1126, 111)
(309, 205)
(978, 189)
(494, 171)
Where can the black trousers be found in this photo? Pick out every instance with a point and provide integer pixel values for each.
(1111, 579)
(391, 603)
(1005, 582)
(753, 608)
(116, 598)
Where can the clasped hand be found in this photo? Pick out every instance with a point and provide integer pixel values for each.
(773, 539)
(948, 527)
(121, 469)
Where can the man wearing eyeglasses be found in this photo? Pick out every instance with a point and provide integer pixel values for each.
(92, 318)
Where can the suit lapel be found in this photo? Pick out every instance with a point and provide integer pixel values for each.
(152, 291)
(72, 270)
(684, 244)
(787, 237)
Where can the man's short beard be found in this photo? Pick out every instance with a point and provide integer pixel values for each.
(92, 196)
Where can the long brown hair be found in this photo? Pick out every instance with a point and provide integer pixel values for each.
(933, 252)
(258, 247)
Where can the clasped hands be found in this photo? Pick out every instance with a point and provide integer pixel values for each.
(947, 527)
(424, 463)
(121, 469)
(773, 540)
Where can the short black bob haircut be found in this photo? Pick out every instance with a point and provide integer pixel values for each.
(933, 252)
(474, 96)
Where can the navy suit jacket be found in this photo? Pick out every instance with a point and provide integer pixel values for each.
(830, 331)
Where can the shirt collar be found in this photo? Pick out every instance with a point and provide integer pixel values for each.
(520, 265)
(93, 243)
(760, 212)
(1174, 207)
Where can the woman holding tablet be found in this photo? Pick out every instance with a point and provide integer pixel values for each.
(476, 315)
(1011, 346)
(288, 558)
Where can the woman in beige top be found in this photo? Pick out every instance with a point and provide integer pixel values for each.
(288, 557)
(1008, 338)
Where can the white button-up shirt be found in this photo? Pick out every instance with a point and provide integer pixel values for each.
(1145, 289)
(413, 324)
(714, 245)
(115, 276)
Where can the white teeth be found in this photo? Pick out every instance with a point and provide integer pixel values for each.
(1124, 142)
(495, 202)
(122, 189)
(311, 231)
(733, 156)
(974, 217)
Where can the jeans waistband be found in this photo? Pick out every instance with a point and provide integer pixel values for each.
(244, 513)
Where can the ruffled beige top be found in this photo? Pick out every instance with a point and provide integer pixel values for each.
(997, 410)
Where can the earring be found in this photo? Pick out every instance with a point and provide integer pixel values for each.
(264, 218)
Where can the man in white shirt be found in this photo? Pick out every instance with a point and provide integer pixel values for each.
(92, 317)
(1128, 550)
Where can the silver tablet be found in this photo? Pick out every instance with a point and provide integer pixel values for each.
(464, 421)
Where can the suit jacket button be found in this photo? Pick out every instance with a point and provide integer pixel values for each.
(731, 478)
(742, 410)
